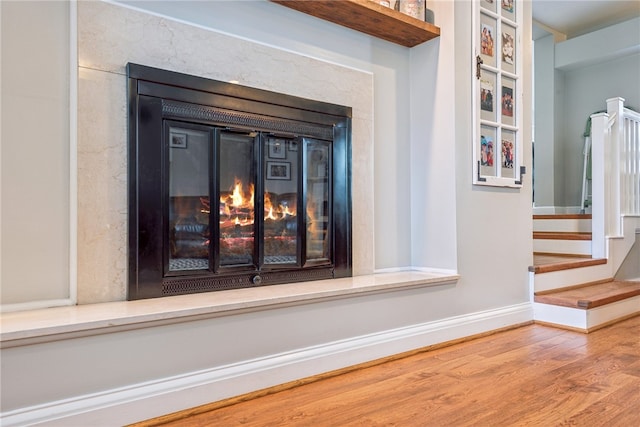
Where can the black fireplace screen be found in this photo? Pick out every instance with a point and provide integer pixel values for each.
(233, 187)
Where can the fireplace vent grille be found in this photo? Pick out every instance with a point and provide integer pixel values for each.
(181, 110)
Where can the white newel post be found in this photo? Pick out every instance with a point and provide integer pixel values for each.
(599, 139)
(615, 109)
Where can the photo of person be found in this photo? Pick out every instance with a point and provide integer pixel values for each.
(507, 101)
(507, 154)
(507, 5)
(486, 95)
(507, 48)
(486, 40)
(486, 151)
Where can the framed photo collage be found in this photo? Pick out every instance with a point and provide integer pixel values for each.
(497, 146)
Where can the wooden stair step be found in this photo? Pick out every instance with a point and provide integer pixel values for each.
(591, 295)
(547, 263)
(561, 235)
(563, 216)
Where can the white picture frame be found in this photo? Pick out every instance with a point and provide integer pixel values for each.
(496, 70)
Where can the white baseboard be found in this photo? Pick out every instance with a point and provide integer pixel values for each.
(166, 395)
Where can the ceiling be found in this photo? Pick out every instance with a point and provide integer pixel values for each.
(577, 17)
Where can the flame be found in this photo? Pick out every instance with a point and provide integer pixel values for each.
(272, 212)
(236, 196)
(239, 199)
(286, 212)
(270, 215)
(237, 206)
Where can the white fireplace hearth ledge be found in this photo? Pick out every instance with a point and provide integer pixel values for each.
(59, 323)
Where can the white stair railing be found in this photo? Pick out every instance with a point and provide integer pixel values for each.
(615, 160)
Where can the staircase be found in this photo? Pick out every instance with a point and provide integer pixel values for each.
(570, 288)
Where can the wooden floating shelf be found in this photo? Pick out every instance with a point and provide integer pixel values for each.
(370, 18)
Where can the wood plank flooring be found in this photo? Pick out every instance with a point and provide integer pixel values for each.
(529, 376)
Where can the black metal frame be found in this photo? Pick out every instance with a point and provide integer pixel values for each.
(155, 96)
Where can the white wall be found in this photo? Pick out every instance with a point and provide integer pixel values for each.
(35, 171)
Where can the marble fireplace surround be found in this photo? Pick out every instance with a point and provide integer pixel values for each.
(109, 36)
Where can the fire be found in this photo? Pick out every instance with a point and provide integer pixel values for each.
(236, 196)
(239, 199)
(237, 206)
(270, 215)
(276, 212)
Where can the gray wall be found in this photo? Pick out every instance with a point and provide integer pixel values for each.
(544, 120)
(586, 91)
(573, 79)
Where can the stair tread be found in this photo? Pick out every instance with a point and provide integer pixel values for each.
(549, 263)
(591, 296)
(561, 235)
(563, 216)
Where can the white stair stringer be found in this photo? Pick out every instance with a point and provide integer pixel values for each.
(618, 248)
(586, 320)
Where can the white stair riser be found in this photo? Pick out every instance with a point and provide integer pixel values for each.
(552, 246)
(586, 319)
(566, 225)
(606, 313)
(558, 315)
(565, 278)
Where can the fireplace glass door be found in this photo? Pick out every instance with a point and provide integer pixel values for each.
(255, 180)
(189, 154)
(236, 221)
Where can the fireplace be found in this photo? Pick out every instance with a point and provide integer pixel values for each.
(233, 187)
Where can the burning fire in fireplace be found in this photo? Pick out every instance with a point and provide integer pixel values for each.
(237, 207)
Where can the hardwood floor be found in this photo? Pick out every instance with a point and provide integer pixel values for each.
(534, 376)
